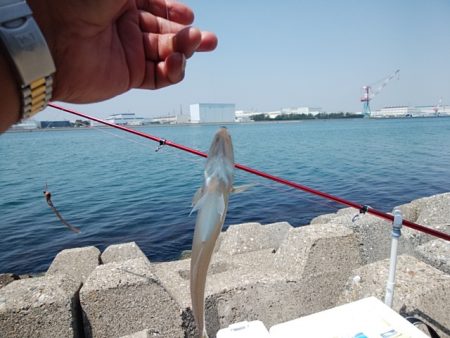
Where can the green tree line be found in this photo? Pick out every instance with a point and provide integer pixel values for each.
(292, 117)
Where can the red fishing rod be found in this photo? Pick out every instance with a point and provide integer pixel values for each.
(360, 207)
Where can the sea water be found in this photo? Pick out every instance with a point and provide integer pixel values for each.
(116, 188)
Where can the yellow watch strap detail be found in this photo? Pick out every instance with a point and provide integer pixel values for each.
(36, 96)
(37, 83)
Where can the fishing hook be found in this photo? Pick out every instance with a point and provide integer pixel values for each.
(162, 143)
(362, 211)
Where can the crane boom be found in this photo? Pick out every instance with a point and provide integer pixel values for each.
(369, 93)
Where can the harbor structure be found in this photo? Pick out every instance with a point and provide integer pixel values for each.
(302, 110)
(26, 125)
(372, 90)
(55, 124)
(129, 119)
(395, 112)
(439, 110)
(410, 111)
(168, 119)
(212, 112)
(246, 116)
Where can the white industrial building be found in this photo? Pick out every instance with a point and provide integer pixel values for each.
(127, 119)
(212, 112)
(302, 110)
(434, 110)
(397, 111)
(169, 119)
(407, 111)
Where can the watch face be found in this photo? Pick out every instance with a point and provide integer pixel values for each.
(24, 42)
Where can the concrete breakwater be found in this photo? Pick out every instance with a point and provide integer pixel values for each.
(273, 273)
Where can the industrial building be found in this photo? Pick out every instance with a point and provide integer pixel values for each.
(55, 124)
(395, 111)
(212, 112)
(127, 119)
(302, 110)
(408, 111)
(246, 116)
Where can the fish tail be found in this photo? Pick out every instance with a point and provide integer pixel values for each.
(204, 334)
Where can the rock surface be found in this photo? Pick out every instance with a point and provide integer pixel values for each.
(40, 307)
(247, 237)
(134, 299)
(77, 263)
(6, 278)
(121, 252)
(271, 273)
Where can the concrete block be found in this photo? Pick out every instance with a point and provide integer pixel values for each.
(40, 307)
(435, 253)
(140, 334)
(152, 334)
(6, 278)
(420, 289)
(344, 215)
(373, 233)
(78, 263)
(265, 285)
(227, 276)
(246, 237)
(125, 297)
(433, 211)
(121, 252)
(318, 249)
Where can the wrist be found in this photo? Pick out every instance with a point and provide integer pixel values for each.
(29, 56)
(10, 92)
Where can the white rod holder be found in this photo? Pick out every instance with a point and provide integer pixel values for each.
(395, 235)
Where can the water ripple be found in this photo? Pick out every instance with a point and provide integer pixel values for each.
(118, 191)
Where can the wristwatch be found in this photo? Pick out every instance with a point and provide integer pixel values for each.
(23, 41)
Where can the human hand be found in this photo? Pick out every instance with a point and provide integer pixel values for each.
(104, 48)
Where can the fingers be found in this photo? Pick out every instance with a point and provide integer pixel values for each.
(166, 55)
(158, 47)
(171, 11)
(155, 24)
(168, 42)
(208, 42)
(165, 73)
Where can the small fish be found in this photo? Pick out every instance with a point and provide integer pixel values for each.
(211, 202)
(48, 198)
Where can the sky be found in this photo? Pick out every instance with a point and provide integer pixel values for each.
(294, 53)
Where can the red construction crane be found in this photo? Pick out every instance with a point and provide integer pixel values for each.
(369, 93)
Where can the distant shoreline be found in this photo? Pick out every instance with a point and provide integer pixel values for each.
(12, 130)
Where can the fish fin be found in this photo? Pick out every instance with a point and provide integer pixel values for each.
(197, 196)
(242, 188)
(221, 205)
(198, 201)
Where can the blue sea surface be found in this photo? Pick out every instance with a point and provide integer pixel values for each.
(116, 188)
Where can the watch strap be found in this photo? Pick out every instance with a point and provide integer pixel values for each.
(29, 53)
(36, 96)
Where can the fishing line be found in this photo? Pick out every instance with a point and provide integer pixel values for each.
(146, 145)
(280, 180)
(170, 151)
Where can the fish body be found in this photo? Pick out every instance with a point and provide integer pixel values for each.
(48, 198)
(211, 203)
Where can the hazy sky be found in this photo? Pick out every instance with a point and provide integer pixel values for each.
(305, 53)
